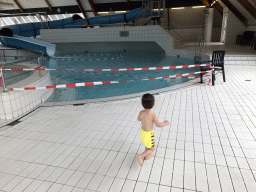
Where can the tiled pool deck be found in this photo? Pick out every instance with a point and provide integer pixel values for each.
(209, 146)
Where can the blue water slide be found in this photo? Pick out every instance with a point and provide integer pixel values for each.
(33, 29)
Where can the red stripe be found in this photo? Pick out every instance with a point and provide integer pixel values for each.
(185, 66)
(197, 65)
(172, 67)
(184, 77)
(151, 78)
(71, 85)
(122, 81)
(10, 89)
(51, 87)
(29, 88)
(39, 69)
(79, 69)
(60, 69)
(191, 73)
(106, 82)
(130, 69)
(97, 69)
(114, 69)
(165, 77)
(208, 64)
(197, 76)
(178, 75)
(159, 67)
(88, 83)
(145, 68)
(203, 71)
(0, 80)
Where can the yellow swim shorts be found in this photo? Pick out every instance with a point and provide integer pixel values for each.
(147, 138)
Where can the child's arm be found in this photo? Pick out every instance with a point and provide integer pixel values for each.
(159, 124)
(139, 117)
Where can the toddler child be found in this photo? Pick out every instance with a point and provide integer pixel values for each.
(148, 118)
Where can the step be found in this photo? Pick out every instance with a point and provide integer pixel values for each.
(239, 60)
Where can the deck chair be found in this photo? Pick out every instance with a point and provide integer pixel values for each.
(217, 63)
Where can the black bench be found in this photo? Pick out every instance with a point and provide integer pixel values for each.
(217, 63)
(245, 39)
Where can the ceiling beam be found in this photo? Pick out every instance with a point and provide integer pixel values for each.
(206, 3)
(219, 7)
(254, 1)
(18, 5)
(81, 8)
(236, 12)
(92, 7)
(49, 5)
(248, 6)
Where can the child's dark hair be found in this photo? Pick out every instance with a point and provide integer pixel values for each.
(148, 101)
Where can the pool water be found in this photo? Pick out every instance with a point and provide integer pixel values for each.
(107, 61)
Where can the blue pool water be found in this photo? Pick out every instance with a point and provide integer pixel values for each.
(107, 61)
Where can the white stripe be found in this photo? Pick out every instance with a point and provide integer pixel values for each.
(61, 86)
(80, 84)
(166, 67)
(123, 69)
(185, 74)
(137, 69)
(152, 68)
(97, 83)
(40, 87)
(106, 69)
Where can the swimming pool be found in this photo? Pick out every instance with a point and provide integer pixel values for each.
(107, 61)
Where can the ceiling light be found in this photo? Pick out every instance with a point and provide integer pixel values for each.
(103, 12)
(195, 7)
(178, 8)
(120, 11)
(157, 9)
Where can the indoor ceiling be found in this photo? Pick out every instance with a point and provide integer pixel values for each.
(71, 6)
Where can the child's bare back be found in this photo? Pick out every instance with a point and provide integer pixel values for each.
(148, 118)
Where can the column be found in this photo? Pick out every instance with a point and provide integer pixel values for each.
(208, 25)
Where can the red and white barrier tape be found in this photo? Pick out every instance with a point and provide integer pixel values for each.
(124, 69)
(99, 82)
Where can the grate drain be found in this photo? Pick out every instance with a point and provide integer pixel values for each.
(14, 123)
(78, 104)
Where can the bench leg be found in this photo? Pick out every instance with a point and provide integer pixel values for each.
(223, 73)
(213, 77)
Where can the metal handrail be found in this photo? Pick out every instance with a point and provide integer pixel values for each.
(29, 57)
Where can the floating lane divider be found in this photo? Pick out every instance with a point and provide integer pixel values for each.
(99, 82)
(124, 69)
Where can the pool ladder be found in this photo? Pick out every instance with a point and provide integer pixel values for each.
(199, 47)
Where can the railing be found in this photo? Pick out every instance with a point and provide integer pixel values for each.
(149, 7)
(10, 57)
(199, 48)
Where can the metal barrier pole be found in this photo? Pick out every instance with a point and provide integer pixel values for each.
(2, 75)
(4, 55)
(39, 65)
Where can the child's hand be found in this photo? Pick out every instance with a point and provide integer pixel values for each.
(166, 122)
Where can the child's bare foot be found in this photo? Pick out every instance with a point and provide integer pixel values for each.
(149, 157)
(140, 160)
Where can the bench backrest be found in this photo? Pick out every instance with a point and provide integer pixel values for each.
(218, 58)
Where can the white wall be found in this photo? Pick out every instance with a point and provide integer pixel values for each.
(190, 23)
(234, 27)
(112, 34)
(16, 103)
